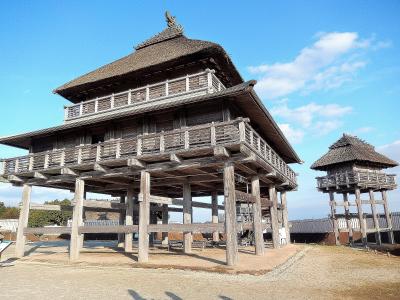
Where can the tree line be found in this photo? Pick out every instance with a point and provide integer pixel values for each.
(40, 218)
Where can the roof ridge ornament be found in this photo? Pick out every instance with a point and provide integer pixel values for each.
(171, 21)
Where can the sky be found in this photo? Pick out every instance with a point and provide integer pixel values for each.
(323, 68)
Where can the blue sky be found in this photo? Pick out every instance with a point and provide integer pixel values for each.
(323, 67)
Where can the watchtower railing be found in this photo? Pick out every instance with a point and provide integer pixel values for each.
(202, 136)
(184, 87)
(356, 177)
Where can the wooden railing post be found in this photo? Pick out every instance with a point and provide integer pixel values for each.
(129, 97)
(162, 142)
(118, 149)
(147, 93)
(112, 101)
(166, 88)
(242, 131)
(62, 158)
(139, 146)
(30, 167)
(187, 145)
(80, 155)
(187, 83)
(46, 160)
(81, 109)
(96, 105)
(16, 167)
(213, 134)
(66, 116)
(98, 152)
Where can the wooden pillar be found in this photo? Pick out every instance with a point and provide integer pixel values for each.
(257, 220)
(187, 216)
(214, 214)
(388, 217)
(144, 216)
(121, 236)
(333, 217)
(230, 214)
(274, 216)
(165, 221)
(77, 220)
(285, 217)
(23, 220)
(129, 218)
(375, 217)
(363, 226)
(348, 218)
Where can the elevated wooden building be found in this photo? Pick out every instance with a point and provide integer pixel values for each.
(354, 167)
(171, 121)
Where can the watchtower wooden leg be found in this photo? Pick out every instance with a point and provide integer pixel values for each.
(214, 213)
(77, 220)
(388, 217)
(333, 217)
(165, 221)
(144, 216)
(375, 217)
(257, 221)
(230, 215)
(129, 219)
(23, 220)
(187, 216)
(363, 226)
(348, 218)
(121, 236)
(285, 218)
(274, 216)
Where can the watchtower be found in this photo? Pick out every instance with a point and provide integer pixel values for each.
(354, 167)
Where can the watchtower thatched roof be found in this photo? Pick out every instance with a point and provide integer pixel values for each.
(352, 149)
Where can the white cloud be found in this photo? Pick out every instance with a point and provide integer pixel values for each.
(363, 130)
(322, 128)
(326, 64)
(392, 150)
(295, 136)
(304, 115)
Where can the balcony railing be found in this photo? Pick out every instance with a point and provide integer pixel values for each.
(188, 86)
(356, 177)
(185, 139)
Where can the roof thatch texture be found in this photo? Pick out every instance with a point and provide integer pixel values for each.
(352, 149)
(167, 46)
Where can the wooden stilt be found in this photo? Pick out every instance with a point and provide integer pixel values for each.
(230, 215)
(363, 226)
(375, 217)
(187, 216)
(144, 216)
(77, 220)
(23, 220)
(274, 216)
(257, 220)
(333, 217)
(165, 221)
(348, 218)
(129, 218)
(388, 218)
(121, 236)
(214, 214)
(285, 217)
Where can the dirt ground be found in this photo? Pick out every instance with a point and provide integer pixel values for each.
(313, 273)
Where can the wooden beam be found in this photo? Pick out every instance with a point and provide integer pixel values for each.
(175, 159)
(136, 163)
(187, 216)
(100, 168)
(48, 230)
(121, 229)
(257, 220)
(103, 204)
(69, 171)
(23, 220)
(39, 175)
(77, 220)
(144, 216)
(129, 218)
(194, 227)
(214, 214)
(221, 152)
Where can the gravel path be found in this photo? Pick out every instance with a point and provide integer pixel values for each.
(319, 272)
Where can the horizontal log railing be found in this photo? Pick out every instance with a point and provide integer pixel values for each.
(356, 177)
(183, 87)
(169, 142)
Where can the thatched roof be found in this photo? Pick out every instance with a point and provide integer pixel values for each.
(168, 47)
(352, 149)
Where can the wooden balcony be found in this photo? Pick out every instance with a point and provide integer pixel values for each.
(183, 87)
(151, 147)
(363, 179)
